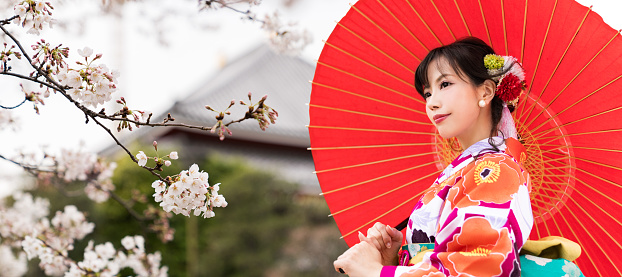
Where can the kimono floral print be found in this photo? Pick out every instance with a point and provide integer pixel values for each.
(480, 213)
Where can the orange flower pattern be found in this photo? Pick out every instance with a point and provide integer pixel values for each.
(477, 213)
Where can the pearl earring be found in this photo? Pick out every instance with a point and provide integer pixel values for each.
(481, 103)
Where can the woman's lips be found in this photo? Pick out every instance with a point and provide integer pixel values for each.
(439, 118)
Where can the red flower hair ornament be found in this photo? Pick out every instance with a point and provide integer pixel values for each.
(509, 75)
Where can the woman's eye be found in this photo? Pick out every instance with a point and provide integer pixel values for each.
(445, 84)
(426, 95)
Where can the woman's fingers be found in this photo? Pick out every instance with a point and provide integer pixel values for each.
(396, 235)
(381, 234)
(360, 260)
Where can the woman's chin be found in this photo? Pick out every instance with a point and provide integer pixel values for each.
(445, 135)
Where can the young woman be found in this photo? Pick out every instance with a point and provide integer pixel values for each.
(478, 212)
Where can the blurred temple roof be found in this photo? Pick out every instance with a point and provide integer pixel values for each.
(283, 78)
(281, 149)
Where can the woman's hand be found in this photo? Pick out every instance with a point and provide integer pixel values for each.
(386, 239)
(361, 260)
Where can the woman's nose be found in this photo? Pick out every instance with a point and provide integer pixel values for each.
(432, 102)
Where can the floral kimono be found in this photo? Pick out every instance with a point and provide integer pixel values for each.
(477, 213)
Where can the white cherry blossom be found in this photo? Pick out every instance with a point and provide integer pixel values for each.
(142, 158)
(85, 52)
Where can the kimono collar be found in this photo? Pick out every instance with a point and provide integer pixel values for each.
(479, 148)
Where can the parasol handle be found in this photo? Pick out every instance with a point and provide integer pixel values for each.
(402, 225)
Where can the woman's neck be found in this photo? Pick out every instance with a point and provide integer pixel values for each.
(480, 130)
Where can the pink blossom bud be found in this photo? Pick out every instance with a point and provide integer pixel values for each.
(264, 97)
(155, 145)
(167, 163)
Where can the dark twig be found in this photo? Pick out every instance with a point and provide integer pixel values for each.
(8, 20)
(9, 108)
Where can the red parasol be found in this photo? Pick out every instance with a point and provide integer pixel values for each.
(375, 150)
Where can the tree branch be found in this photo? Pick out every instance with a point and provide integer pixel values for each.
(10, 108)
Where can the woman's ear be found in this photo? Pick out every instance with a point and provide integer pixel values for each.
(487, 90)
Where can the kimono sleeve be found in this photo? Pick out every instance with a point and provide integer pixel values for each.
(484, 222)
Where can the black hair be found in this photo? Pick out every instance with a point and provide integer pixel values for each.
(466, 58)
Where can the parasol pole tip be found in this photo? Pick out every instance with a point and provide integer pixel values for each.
(307, 104)
(314, 172)
(309, 148)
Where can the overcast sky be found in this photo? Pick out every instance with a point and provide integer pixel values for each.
(154, 75)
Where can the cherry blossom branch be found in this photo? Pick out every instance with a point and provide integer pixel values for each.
(34, 170)
(224, 4)
(8, 20)
(16, 106)
(34, 80)
(28, 168)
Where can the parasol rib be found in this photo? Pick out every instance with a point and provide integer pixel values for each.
(581, 147)
(553, 138)
(566, 86)
(374, 162)
(369, 130)
(553, 74)
(370, 146)
(541, 208)
(379, 178)
(386, 33)
(371, 82)
(594, 240)
(402, 24)
(380, 216)
(579, 241)
(385, 193)
(425, 24)
(485, 23)
(443, 19)
(546, 226)
(552, 217)
(600, 178)
(537, 135)
(370, 98)
(370, 65)
(546, 35)
(595, 205)
(588, 199)
(522, 47)
(505, 35)
(580, 223)
(370, 114)
(594, 162)
(378, 49)
(462, 16)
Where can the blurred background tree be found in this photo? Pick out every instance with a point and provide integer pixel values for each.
(268, 228)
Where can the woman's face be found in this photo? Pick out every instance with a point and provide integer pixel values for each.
(452, 105)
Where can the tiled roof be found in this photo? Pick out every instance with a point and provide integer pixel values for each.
(284, 79)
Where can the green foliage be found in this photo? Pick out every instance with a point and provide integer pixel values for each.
(267, 229)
